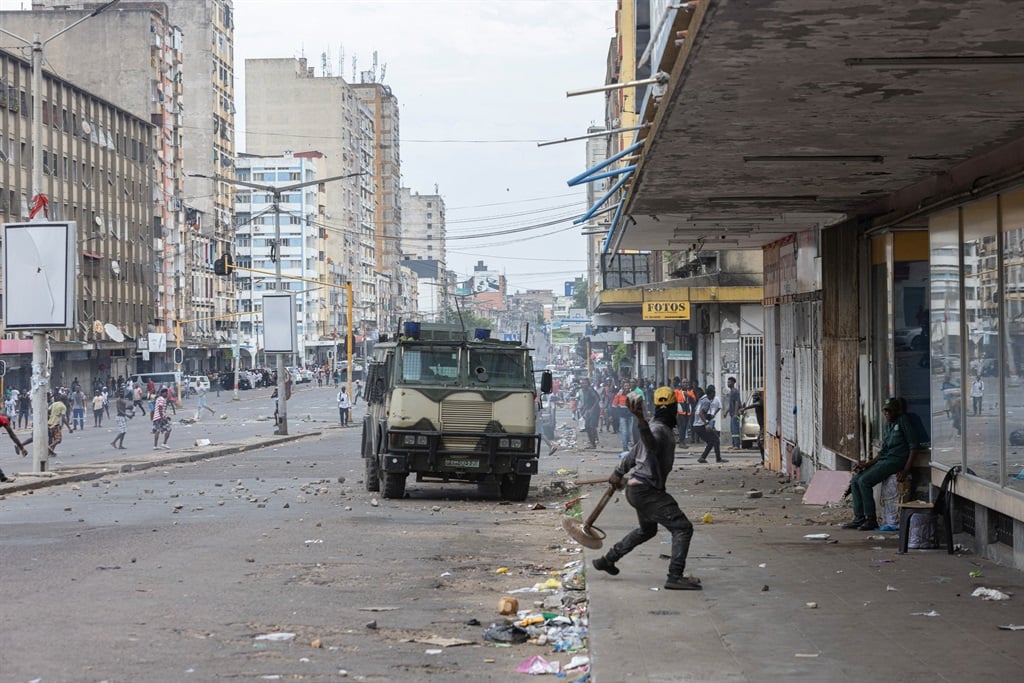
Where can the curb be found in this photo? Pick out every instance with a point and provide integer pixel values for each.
(105, 469)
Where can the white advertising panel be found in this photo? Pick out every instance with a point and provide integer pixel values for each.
(279, 328)
(40, 287)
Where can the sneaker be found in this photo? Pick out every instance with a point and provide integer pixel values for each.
(165, 446)
(853, 523)
(702, 460)
(870, 524)
(683, 583)
(602, 564)
(721, 460)
(156, 448)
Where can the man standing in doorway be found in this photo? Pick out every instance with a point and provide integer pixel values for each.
(734, 405)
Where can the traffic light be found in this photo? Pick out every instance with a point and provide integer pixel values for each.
(223, 265)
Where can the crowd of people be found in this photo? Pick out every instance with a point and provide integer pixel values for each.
(600, 404)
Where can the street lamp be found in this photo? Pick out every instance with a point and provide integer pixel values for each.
(40, 369)
(277, 192)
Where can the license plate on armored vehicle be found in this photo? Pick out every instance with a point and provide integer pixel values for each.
(462, 463)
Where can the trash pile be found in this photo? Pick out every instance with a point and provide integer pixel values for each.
(558, 621)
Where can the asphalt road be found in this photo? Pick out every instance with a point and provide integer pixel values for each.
(173, 573)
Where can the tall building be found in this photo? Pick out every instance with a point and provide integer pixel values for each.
(423, 227)
(387, 178)
(302, 252)
(153, 56)
(98, 165)
(288, 107)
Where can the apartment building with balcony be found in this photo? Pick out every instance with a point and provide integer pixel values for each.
(98, 166)
(152, 58)
(286, 105)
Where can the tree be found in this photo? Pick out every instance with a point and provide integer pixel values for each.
(580, 298)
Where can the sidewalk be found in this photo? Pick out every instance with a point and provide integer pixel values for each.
(754, 620)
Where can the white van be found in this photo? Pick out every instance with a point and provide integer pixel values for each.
(196, 382)
(167, 379)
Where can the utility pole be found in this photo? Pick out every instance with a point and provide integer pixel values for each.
(277, 192)
(40, 366)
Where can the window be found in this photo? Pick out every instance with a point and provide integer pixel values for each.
(430, 365)
(499, 368)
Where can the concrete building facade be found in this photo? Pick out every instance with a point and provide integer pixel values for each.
(387, 180)
(891, 250)
(424, 235)
(154, 57)
(287, 105)
(98, 165)
(302, 252)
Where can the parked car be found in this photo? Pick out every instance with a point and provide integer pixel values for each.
(911, 338)
(227, 381)
(197, 382)
(750, 428)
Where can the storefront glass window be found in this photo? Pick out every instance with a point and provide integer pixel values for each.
(1012, 215)
(910, 311)
(981, 343)
(944, 338)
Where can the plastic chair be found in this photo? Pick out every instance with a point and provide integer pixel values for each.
(943, 507)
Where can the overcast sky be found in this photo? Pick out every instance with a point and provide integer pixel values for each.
(479, 83)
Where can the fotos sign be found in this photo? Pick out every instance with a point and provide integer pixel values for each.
(666, 310)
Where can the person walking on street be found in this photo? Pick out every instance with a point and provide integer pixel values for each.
(708, 408)
(137, 399)
(18, 446)
(899, 440)
(122, 420)
(977, 394)
(97, 409)
(24, 409)
(651, 460)
(161, 423)
(201, 406)
(735, 404)
(590, 411)
(344, 406)
(106, 402)
(623, 416)
(77, 409)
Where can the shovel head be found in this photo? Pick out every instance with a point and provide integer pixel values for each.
(587, 536)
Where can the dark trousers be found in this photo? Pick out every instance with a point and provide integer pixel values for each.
(654, 507)
(682, 425)
(710, 437)
(863, 483)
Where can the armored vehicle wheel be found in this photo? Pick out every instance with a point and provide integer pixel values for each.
(371, 478)
(515, 486)
(394, 485)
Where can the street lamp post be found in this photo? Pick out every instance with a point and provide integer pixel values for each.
(277, 192)
(40, 368)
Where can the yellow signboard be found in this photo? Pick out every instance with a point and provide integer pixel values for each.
(666, 310)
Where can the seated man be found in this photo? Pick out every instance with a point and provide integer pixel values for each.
(899, 439)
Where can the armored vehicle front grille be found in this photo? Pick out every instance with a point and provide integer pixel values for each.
(464, 416)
